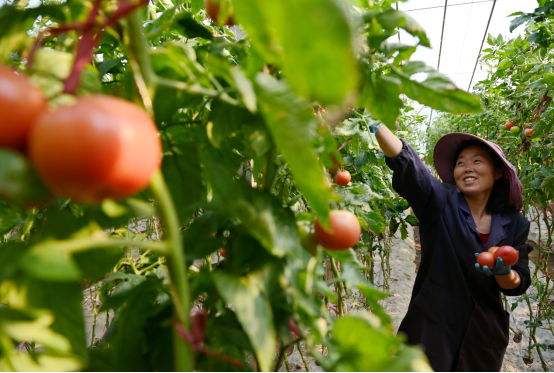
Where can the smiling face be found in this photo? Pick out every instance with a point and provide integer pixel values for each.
(475, 172)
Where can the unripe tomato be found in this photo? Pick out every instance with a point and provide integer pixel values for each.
(509, 125)
(493, 249)
(342, 178)
(508, 254)
(20, 103)
(100, 147)
(345, 231)
(528, 132)
(515, 130)
(307, 236)
(486, 259)
(213, 12)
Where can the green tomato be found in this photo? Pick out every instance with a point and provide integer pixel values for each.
(515, 130)
(307, 236)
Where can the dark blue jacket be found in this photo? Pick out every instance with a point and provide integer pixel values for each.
(455, 312)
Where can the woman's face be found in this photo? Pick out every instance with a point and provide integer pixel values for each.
(475, 172)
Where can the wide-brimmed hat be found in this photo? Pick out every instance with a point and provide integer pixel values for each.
(449, 145)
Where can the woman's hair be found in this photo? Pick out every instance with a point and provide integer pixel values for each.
(498, 200)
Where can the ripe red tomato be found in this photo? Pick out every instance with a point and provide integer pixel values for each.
(509, 125)
(486, 259)
(528, 132)
(508, 254)
(20, 103)
(493, 249)
(342, 178)
(213, 12)
(100, 147)
(345, 231)
(222, 252)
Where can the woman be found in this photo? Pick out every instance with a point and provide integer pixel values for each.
(456, 311)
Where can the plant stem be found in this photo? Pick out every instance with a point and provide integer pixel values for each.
(339, 286)
(302, 356)
(177, 270)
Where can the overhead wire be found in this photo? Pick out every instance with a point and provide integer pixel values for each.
(482, 43)
(451, 5)
(463, 43)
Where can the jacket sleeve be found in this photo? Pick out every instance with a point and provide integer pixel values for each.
(522, 266)
(413, 181)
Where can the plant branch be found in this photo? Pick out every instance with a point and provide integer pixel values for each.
(180, 291)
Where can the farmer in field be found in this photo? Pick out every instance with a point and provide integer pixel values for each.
(456, 311)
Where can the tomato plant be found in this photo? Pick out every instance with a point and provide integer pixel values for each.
(250, 119)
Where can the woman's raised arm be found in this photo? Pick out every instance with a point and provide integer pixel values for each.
(389, 143)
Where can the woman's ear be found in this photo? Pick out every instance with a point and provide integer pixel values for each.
(499, 172)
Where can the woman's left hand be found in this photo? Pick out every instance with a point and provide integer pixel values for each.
(499, 269)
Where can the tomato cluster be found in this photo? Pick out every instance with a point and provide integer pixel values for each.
(99, 147)
(488, 258)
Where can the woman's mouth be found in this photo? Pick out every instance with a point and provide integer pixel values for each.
(469, 179)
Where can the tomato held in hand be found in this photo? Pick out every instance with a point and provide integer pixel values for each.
(345, 231)
(493, 249)
(486, 259)
(20, 104)
(100, 147)
(509, 125)
(508, 254)
(342, 178)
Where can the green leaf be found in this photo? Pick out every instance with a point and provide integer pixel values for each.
(127, 283)
(290, 121)
(375, 221)
(391, 19)
(47, 263)
(505, 64)
(516, 22)
(64, 300)
(19, 183)
(191, 28)
(182, 171)
(353, 354)
(380, 95)
(253, 311)
(327, 70)
(106, 66)
(245, 88)
(259, 212)
(436, 91)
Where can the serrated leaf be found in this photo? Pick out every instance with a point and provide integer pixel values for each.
(253, 311)
(436, 91)
(290, 121)
(326, 71)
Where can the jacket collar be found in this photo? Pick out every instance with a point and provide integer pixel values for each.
(498, 223)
